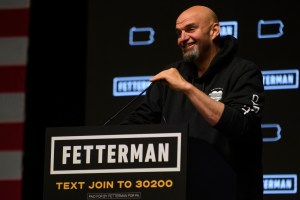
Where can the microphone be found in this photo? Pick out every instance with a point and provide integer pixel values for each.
(128, 104)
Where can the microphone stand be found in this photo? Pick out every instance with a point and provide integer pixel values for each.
(128, 104)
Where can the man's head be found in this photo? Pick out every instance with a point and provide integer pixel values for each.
(197, 28)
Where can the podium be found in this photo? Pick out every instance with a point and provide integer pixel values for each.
(143, 162)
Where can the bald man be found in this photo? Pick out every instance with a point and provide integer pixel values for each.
(221, 97)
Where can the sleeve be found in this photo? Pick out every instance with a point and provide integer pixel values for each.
(244, 104)
(149, 110)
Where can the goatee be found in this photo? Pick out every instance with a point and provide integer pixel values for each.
(191, 56)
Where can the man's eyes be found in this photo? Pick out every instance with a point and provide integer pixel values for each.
(190, 29)
(187, 30)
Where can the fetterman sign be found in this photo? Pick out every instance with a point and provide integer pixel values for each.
(143, 162)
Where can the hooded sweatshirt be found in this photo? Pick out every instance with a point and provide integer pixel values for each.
(235, 82)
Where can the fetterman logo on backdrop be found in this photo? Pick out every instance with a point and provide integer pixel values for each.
(130, 86)
(124, 153)
(281, 79)
(280, 183)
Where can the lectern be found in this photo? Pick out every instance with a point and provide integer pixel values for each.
(143, 162)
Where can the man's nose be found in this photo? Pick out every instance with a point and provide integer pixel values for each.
(184, 35)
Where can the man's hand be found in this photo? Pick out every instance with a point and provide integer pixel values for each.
(172, 78)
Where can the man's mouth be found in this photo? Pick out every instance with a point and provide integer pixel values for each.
(187, 46)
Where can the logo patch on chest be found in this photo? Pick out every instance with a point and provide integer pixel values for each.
(216, 94)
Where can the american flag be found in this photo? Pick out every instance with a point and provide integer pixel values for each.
(14, 23)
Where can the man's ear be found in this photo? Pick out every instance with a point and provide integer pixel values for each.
(215, 30)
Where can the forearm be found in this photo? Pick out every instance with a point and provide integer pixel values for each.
(210, 109)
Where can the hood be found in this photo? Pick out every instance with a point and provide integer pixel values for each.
(228, 48)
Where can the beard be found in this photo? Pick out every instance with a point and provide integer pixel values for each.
(192, 55)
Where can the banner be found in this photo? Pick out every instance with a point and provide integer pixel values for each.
(143, 162)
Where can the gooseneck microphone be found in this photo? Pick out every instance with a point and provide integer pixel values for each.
(128, 104)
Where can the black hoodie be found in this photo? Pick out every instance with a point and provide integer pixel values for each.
(238, 84)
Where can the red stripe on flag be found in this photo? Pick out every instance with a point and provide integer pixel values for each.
(12, 78)
(11, 136)
(14, 22)
(11, 190)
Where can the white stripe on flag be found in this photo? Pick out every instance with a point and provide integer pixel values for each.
(4, 4)
(12, 107)
(13, 50)
(11, 165)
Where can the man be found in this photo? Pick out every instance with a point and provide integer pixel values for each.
(218, 94)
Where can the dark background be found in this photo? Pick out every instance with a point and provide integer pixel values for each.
(76, 48)
(55, 93)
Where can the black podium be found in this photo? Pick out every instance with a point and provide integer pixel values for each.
(115, 162)
(144, 162)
